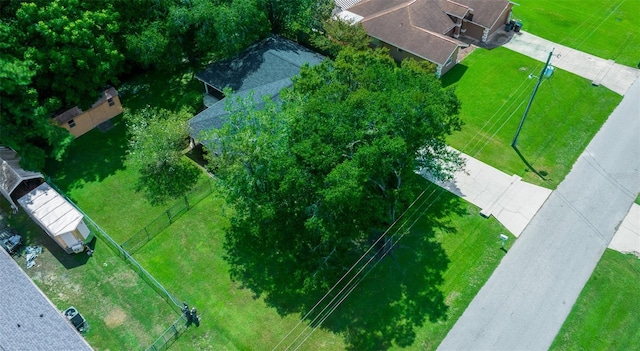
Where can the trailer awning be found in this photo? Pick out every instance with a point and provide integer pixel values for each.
(52, 211)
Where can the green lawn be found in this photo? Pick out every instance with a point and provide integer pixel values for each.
(494, 89)
(399, 297)
(94, 172)
(604, 28)
(606, 314)
(123, 312)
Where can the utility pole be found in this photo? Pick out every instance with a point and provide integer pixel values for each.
(535, 90)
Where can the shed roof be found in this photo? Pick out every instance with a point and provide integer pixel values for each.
(76, 111)
(51, 210)
(28, 320)
(11, 174)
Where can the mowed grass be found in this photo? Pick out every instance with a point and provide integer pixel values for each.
(606, 314)
(604, 28)
(95, 173)
(188, 259)
(494, 88)
(123, 312)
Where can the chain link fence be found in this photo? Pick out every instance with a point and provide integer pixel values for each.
(171, 214)
(169, 335)
(122, 253)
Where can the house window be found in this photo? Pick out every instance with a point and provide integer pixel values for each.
(71, 123)
(110, 101)
(449, 61)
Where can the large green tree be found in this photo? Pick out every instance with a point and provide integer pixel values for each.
(157, 138)
(72, 47)
(25, 123)
(295, 17)
(315, 179)
(195, 31)
(55, 55)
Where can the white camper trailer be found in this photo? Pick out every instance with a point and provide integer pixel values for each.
(56, 216)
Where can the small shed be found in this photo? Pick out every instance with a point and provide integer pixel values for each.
(58, 217)
(12, 176)
(79, 122)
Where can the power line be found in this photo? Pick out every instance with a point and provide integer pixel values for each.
(333, 305)
(367, 273)
(355, 265)
(349, 287)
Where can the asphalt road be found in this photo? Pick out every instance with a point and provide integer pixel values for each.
(528, 297)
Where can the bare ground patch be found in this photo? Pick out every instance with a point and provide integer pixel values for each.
(115, 318)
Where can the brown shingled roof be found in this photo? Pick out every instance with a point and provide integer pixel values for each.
(416, 26)
(68, 115)
(454, 8)
(485, 12)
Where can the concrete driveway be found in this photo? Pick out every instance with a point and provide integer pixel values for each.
(600, 71)
(506, 197)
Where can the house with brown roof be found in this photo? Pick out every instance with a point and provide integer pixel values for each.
(78, 122)
(433, 30)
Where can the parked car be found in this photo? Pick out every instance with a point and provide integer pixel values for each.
(10, 240)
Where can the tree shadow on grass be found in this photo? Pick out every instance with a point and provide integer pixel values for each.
(96, 155)
(90, 158)
(164, 90)
(396, 293)
(33, 235)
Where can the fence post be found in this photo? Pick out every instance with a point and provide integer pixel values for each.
(169, 215)
(146, 231)
(186, 200)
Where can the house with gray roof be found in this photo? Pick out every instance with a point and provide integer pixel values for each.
(263, 69)
(28, 320)
(433, 30)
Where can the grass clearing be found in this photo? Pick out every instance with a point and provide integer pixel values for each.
(605, 316)
(604, 28)
(95, 173)
(494, 89)
(188, 259)
(123, 312)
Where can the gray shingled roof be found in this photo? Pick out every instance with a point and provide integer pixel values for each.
(270, 60)
(216, 115)
(28, 320)
(11, 174)
(265, 68)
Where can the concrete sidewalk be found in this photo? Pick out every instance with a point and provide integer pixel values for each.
(627, 238)
(600, 71)
(528, 297)
(510, 200)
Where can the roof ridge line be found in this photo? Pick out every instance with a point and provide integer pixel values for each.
(389, 10)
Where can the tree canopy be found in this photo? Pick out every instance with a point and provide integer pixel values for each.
(157, 138)
(316, 179)
(57, 54)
